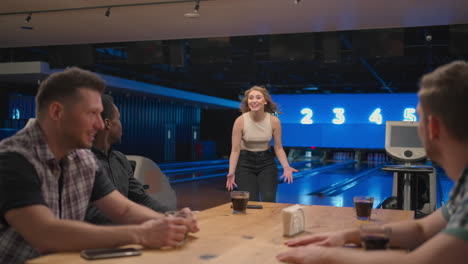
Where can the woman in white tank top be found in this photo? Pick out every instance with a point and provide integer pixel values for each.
(251, 165)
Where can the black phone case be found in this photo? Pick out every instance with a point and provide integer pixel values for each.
(103, 253)
(254, 206)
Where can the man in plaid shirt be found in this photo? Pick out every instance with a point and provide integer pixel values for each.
(48, 176)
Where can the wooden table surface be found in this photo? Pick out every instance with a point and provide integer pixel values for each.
(255, 237)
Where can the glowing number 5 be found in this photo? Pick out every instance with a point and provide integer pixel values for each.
(376, 117)
(409, 114)
(307, 119)
(339, 116)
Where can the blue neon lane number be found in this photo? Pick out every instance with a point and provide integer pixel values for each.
(307, 119)
(339, 116)
(409, 114)
(376, 116)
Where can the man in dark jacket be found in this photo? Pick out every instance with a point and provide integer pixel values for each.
(118, 168)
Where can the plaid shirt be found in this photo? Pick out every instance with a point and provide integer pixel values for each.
(78, 170)
(456, 210)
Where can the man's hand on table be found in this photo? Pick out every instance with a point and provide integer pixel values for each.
(330, 239)
(303, 255)
(316, 248)
(162, 232)
(168, 231)
(191, 219)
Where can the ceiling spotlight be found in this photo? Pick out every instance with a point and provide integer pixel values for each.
(297, 1)
(28, 18)
(195, 13)
(107, 12)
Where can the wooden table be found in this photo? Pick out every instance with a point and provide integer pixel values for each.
(252, 238)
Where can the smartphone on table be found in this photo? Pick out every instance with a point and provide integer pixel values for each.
(103, 253)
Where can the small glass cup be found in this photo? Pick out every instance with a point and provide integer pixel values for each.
(239, 201)
(374, 237)
(363, 205)
(178, 214)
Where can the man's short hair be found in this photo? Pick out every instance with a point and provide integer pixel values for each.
(108, 107)
(61, 86)
(444, 93)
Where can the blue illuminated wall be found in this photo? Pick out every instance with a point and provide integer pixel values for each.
(342, 120)
(144, 120)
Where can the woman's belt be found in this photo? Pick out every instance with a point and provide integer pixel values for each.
(255, 153)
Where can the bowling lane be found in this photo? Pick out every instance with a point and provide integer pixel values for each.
(181, 165)
(343, 183)
(200, 193)
(206, 171)
(338, 185)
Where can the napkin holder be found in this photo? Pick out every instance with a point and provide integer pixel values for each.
(293, 220)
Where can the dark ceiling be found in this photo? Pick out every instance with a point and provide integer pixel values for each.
(361, 61)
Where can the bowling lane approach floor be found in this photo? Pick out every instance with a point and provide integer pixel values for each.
(334, 187)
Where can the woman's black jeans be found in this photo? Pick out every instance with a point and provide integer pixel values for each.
(257, 173)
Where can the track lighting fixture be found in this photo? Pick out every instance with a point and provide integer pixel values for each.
(297, 1)
(28, 18)
(195, 13)
(108, 12)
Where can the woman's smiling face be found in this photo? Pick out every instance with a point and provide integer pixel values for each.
(256, 101)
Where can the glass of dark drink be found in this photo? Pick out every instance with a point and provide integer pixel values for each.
(363, 205)
(375, 237)
(239, 201)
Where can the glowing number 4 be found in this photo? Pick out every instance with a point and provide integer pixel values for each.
(339, 116)
(307, 119)
(376, 117)
(409, 114)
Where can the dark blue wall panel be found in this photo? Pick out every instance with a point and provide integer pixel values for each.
(145, 121)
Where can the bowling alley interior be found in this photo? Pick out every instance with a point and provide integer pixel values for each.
(345, 82)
